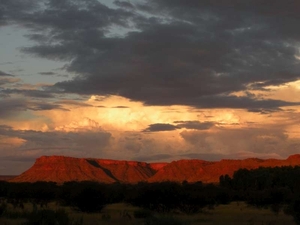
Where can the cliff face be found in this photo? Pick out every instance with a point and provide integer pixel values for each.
(209, 172)
(62, 169)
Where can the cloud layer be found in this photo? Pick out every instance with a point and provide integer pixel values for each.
(178, 53)
(154, 80)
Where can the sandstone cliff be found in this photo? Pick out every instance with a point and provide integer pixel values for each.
(62, 169)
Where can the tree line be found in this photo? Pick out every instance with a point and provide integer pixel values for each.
(277, 188)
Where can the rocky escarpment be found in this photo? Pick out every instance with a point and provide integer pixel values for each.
(62, 169)
(209, 172)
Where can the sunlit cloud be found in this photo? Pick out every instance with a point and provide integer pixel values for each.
(148, 80)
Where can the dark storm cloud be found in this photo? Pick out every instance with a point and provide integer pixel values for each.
(62, 14)
(74, 103)
(7, 80)
(53, 74)
(120, 107)
(221, 101)
(195, 125)
(57, 138)
(289, 8)
(160, 127)
(29, 93)
(37, 94)
(124, 4)
(12, 106)
(5, 74)
(264, 111)
(56, 142)
(47, 73)
(263, 140)
(187, 53)
(11, 10)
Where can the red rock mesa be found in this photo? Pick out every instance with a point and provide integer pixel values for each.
(62, 169)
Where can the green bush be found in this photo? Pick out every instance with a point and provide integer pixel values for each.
(48, 217)
(142, 213)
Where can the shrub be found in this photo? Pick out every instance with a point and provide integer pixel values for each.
(89, 200)
(164, 221)
(142, 213)
(48, 217)
(106, 217)
(2, 208)
(77, 222)
(16, 214)
(190, 208)
(293, 209)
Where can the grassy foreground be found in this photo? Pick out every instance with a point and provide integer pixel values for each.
(236, 213)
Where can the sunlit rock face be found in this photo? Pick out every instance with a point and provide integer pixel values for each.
(62, 169)
(209, 172)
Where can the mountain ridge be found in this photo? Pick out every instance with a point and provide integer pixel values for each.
(61, 169)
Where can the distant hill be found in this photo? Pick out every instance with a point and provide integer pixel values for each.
(6, 177)
(62, 169)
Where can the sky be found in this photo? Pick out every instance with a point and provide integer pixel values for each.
(148, 80)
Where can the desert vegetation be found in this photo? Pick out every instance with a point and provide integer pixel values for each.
(260, 196)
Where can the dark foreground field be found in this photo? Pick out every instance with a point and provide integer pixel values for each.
(235, 213)
(264, 196)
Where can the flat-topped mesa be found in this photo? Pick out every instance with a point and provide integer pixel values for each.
(62, 169)
(294, 157)
(53, 157)
(182, 170)
(210, 172)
